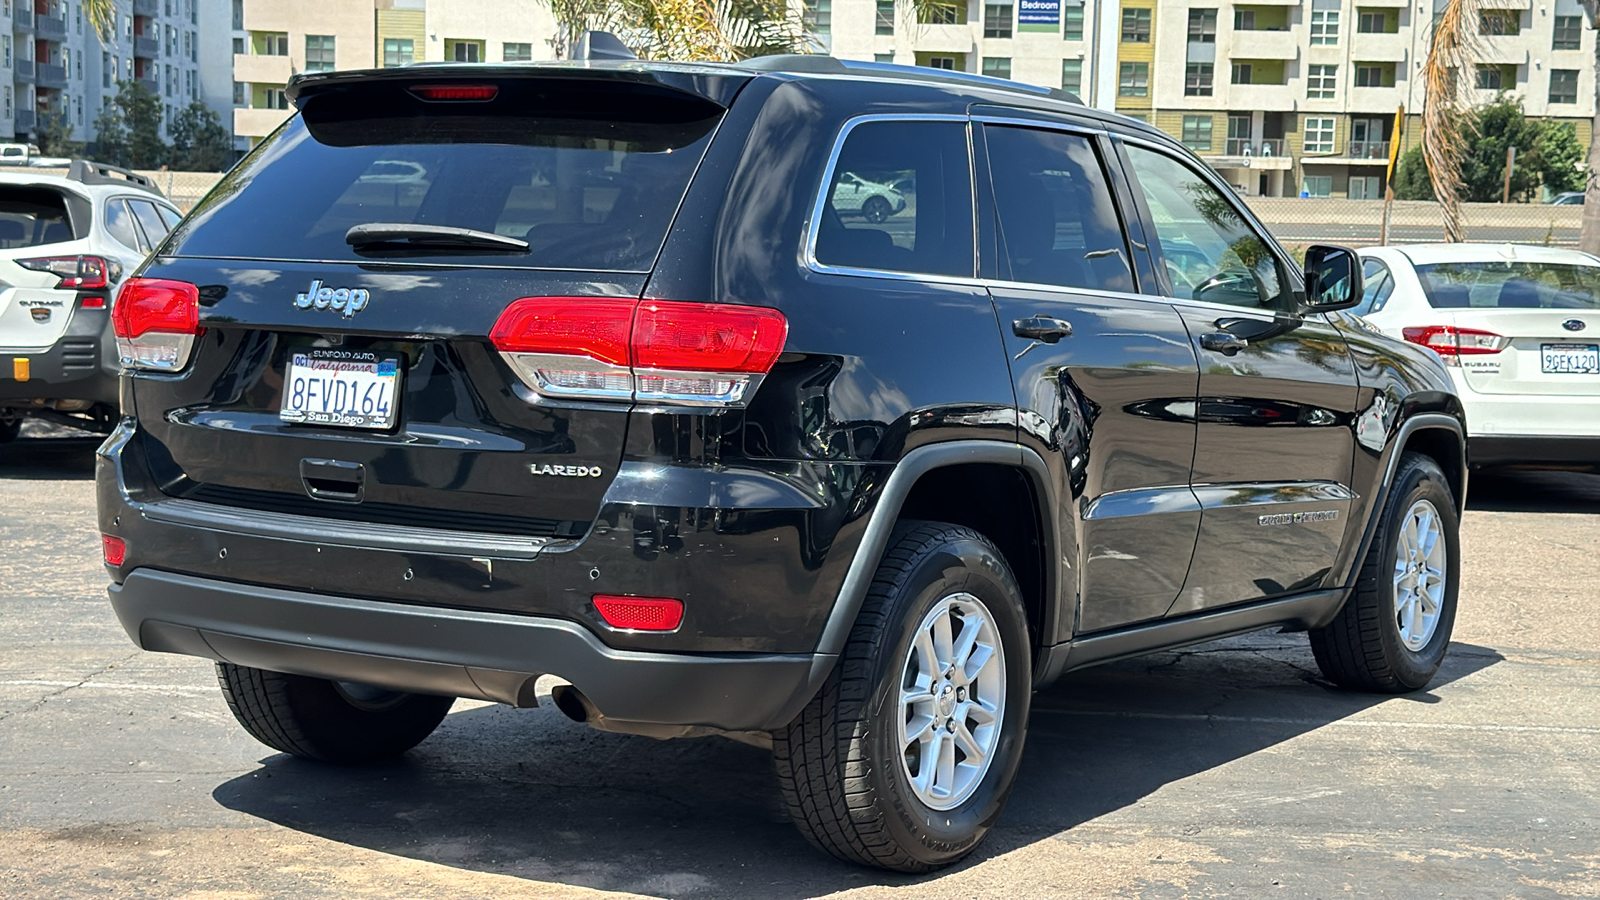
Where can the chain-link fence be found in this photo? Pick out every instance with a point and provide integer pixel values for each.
(1360, 222)
(183, 188)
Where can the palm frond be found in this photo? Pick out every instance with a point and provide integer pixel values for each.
(1446, 120)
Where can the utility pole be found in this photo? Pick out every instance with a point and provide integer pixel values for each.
(1511, 160)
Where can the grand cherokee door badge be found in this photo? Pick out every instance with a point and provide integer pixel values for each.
(1318, 515)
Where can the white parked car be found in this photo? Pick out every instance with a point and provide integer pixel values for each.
(1519, 329)
(874, 200)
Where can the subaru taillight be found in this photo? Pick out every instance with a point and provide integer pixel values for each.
(696, 354)
(1451, 342)
(156, 322)
(82, 273)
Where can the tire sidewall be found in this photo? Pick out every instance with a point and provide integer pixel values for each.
(1423, 481)
(935, 836)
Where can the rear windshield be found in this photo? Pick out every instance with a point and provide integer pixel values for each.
(1511, 285)
(31, 216)
(590, 178)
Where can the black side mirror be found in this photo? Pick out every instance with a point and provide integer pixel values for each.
(1333, 278)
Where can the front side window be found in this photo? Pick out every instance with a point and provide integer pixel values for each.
(1202, 26)
(1057, 219)
(1377, 283)
(1563, 85)
(900, 201)
(1133, 80)
(1321, 82)
(1197, 133)
(1319, 134)
(1211, 253)
(319, 53)
(1136, 26)
(1324, 27)
(997, 20)
(1568, 33)
(1197, 80)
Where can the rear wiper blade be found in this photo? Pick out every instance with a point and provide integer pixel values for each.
(430, 236)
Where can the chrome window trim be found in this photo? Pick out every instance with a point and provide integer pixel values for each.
(809, 251)
(1000, 284)
(1046, 124)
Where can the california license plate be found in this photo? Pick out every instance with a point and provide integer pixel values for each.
(346, 388)
(1570, 359)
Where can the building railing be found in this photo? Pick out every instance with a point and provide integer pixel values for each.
(1246, 147)
(146, 46)
(51, 75)
(1368, 150)
(24, 120)
(51, 27)
(23, 69)
(147, 7)
(22, 17)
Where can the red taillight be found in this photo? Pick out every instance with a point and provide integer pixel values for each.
(639, 613)
(697, 354)
(458, 92)
(82, 273)
(156, 322)
(93, 301)
(1449, 341)
(114, 548)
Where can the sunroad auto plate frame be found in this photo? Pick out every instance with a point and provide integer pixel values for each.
(352, 402)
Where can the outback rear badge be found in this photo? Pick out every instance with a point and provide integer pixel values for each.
(565, 471)
(348, 301)
(40, 314)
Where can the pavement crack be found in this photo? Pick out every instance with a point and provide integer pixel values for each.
(39, 703)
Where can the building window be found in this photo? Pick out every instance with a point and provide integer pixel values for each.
(276, 99)
(77, 109)
(1197, 133)
(1072, 23)
(818, 16)
(948, 63)
(1568, 33)
(1072, 76)
(1238, 134)
(997, 20)
(397, 52)
(319, 53)
(106, 68)
(464, 51)
(1241, 73)
(1563, 85)
(942, 14)
(240, 98)
(7, 44)
(1319, 186)
(1489, 78)
(1324, 27)
(274, 44)
(238, 15)
(1374, 76)
(1133, 80)
(238, 46)
(188, 45)
(8, 101)
(1197, 80)
(1319, 135)
(1244, 20)
(997, 66)
(1202, 26)
(516, 52)
(1500, 22)
(1365, 187)
(884, 24)
(1322, 81)
(1136, 26)
(883, 57)
(1377, 22)
(66, 61)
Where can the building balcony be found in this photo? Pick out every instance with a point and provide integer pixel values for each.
(25, 120)
(1368, 150)
(1239, 153)
(151, 8)
(23, 70)
(147, 47)
(149, 82)
(1508, 50)
(1260, 96)
(257, 123)
(262, 69)
(942, 39)
(50, 27)
(1283, 45)
(1370, 47)
(22, 19)
(52, 76)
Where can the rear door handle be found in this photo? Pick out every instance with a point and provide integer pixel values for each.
(333, 479)
(1223, 342)
(1042, 328)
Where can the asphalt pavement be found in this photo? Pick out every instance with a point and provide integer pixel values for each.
(1229, 769)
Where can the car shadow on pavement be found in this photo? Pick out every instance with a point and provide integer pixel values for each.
(49, 458)
(1526, 490)
(530, 794)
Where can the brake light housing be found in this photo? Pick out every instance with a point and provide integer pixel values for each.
(639, 613)
(469, 93)
(1451, 342)
(77, 273)
(156, 322)
(653, 351)
(114, 549)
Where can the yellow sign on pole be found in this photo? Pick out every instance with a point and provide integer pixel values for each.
(1394, 139)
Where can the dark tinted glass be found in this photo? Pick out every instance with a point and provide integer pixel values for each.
(1377, 283)
(149, 220)
(1511, 285)
(900, 200)
(119, 224)
(589, 176)
(30, 217)
(1058, 221)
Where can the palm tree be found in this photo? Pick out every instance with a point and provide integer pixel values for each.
(102, 17)
(1446, 120)
(1589, 237)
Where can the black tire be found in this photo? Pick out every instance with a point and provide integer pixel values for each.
(876, 209)
(327, 721)
(840, 764)
(1362, 647)
(10, 428)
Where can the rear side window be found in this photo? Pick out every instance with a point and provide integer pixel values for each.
(1511, 285)
(119, 224)
(32, 217)
(589, 174)
(1058, 222)
(899, 200)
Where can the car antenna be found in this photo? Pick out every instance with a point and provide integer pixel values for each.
(601, 45)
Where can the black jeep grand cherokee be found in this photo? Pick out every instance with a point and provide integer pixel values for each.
(846, 404)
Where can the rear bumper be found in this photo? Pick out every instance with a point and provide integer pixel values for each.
(1533, 450)
(82, 365)
(484, 655)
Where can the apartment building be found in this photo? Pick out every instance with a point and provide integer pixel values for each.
(52, 62)
(274, 39)
(1283, 97)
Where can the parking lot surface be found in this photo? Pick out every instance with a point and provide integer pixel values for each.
(1228, 769)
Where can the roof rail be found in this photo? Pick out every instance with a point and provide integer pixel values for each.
(806, 63)
(85, 172)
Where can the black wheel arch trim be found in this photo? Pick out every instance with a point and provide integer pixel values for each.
(886, 512)
(1422, 421)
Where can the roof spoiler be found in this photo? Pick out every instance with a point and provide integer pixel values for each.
(86, 172)
(601, 45)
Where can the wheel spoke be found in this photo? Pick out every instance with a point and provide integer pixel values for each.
(928, 667)
(928, 763)
(964, 642)
(946, 777)
(982, 658)
(979, 711)
(969, 745)
(942, 640)
(918, 728)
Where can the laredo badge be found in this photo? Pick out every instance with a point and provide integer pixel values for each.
(566, 471)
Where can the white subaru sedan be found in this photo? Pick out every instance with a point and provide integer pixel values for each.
(1518, 327)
